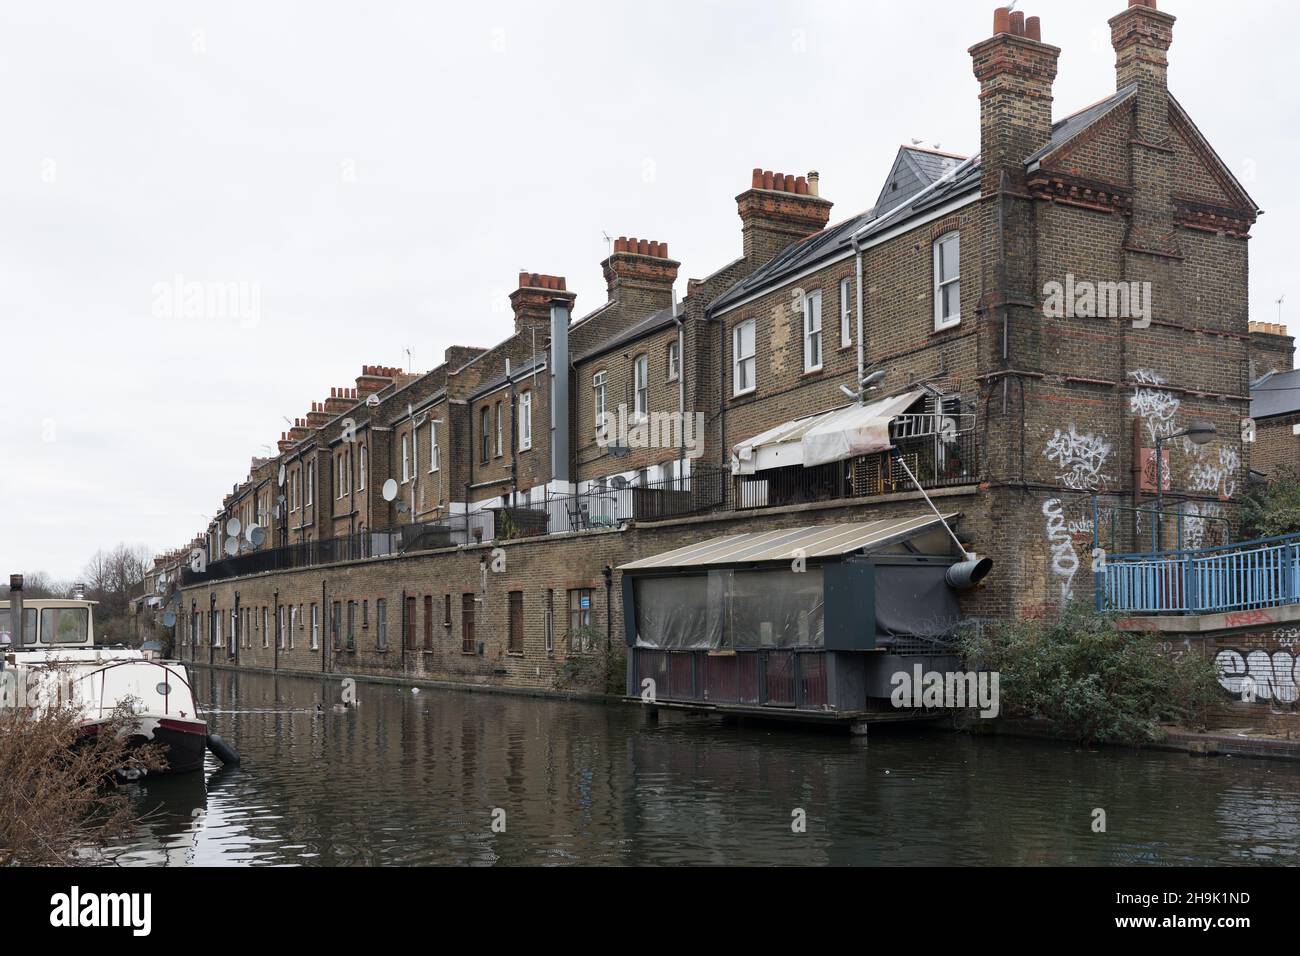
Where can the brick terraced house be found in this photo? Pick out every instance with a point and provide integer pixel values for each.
(1012, 330)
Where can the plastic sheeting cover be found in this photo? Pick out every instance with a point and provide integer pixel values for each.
(731, 610)
(915, 601)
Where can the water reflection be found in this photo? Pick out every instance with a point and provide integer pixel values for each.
(415, 779)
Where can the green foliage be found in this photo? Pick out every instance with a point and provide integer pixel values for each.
(591, 666)
(1273, 509)
(1092, 682)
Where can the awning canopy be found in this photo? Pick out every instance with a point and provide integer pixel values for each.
(823, 438)
(826, 541)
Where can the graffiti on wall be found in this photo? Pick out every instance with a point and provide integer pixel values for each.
(1152, 404)
(1080, 458)
(1263, 666)
(1216, 475)
(1064, 560)
(1200, 529)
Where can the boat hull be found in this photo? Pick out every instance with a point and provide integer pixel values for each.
(184, 743)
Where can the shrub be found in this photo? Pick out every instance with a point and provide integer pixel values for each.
(58, 805)
(1273, 509)
(1091, 681)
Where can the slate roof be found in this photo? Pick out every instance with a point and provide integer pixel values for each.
(1065, 130)
(1277, 393)
(913, 170)
(651, 323)
(834, 241)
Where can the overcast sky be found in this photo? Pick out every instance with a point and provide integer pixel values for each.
(375, 175)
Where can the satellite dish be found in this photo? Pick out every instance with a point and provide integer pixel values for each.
(256, 536)
(233, 527)
(232, 546)
(279, 476)
(390, 489)
(403, 507)
(169, 619)
(619, 451)
(619, 482)
(372, 400)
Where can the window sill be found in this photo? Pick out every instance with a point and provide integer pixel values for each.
(745, 394)
(938, 329)
(518, 654)
(813, 372)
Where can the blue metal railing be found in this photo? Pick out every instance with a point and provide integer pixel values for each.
(1237, 577)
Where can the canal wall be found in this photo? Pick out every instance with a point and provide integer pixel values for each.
(1257, 656)
(505, 614)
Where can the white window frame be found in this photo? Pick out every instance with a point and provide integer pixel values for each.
(674, 361)
(942, 321)
(525, 420)
(600, 396)
(846, 313)
(362, 456)
(266, 631)
(641, 386)
(434, 451)
(739, 358)
(406, 458)
(812, 331)
(311, 482)
(315, 627)
(501, 418)
(279, 628)
(293, 620)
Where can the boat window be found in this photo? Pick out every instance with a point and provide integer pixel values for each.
(163, 689)
(65, 625)
(29, 625)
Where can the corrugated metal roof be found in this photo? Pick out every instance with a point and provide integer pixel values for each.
(826, 541)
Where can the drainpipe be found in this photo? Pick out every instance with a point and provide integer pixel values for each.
(862, 371)
(237, 631)
(213, 624)
(609, 607)
(278, 633)
(320, 623)
(681, 385)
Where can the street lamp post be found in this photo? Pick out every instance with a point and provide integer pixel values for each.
(1199, 432)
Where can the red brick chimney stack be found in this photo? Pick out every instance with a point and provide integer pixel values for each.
(779, 209)
(1016, 70)
(532, 301)
(1142, 36)
(641, 270)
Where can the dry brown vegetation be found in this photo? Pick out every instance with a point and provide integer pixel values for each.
(58, 802)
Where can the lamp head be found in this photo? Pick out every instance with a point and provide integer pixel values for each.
(1201, 431)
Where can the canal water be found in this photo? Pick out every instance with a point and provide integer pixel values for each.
(449, 777)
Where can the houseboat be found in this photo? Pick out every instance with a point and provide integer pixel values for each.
(55, 659)
(809, 623)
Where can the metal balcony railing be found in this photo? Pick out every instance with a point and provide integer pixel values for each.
(1246, 576)
(937, 460)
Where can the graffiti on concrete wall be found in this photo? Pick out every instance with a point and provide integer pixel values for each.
(1152, 404)
(1080, 458)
